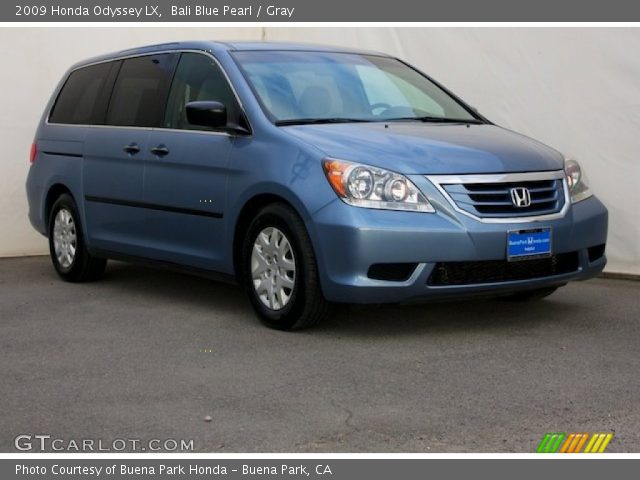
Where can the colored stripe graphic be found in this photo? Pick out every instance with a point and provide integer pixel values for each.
(596, 446)
(557, 442)
(571, 438)
(598, 443)
(574, 443)
(543, 444)
(594, 437)
(583, 439)
(605, 442)
(551, 442)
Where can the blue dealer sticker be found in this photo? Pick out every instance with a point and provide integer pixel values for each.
(528, 243)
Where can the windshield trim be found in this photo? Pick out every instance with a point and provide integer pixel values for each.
(477, 117)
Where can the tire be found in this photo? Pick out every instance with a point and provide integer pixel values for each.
(277, 252)
(67, 248)
(532, 295)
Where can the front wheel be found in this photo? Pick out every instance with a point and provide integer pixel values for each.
(279, 270)
(69, 254)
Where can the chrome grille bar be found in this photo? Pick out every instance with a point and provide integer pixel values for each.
(487, 197)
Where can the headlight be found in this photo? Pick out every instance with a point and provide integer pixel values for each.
(578, 188)
(372, 187)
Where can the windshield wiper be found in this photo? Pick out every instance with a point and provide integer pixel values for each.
(429, 119)
(313, 121)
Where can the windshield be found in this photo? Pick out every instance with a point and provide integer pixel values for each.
(324, 87)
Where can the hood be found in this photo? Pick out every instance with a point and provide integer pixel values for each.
(428, 148)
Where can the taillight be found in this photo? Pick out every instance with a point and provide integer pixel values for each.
(33, 153)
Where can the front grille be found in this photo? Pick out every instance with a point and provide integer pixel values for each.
(496, 271)
(493, 200)
(391, 272)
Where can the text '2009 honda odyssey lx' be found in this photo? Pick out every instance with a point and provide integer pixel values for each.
(311, 175)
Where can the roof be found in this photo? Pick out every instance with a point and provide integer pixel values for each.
(306, 47)
(226, 46)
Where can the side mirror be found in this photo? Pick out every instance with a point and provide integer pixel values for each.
(207, 114)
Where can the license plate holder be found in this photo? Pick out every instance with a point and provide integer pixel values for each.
(528, 244)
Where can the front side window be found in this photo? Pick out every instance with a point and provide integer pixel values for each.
(197, 78)
(140, 91)
(315, 86)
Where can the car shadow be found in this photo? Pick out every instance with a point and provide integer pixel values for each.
(167, 283)
(159, 284)
(486, 314)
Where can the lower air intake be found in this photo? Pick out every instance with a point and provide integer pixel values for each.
(496, 271)
(391, 272)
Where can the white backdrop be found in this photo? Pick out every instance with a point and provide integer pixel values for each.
(576, 89)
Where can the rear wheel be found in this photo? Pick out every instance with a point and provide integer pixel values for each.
(279, 270)
(68, 252)
(532, 295)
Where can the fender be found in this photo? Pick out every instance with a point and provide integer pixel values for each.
(266, 188)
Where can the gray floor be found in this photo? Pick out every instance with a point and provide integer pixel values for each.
(128, 357)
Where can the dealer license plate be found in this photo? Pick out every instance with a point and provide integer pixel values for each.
(523, 244)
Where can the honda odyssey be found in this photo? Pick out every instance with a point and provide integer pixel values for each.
(310, 175)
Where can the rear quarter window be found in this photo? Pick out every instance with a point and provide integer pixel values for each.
(80, 101)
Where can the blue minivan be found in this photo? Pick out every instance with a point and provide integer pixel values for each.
(310, 175)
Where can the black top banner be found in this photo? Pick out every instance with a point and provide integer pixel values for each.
(319, 11)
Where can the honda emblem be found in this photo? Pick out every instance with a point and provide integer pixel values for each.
(521, 197)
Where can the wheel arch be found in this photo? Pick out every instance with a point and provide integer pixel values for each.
(54, 192)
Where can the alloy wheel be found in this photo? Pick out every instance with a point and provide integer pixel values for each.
(273, 268)
(65, 241)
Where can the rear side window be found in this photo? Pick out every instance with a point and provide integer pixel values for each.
(82, 100)
(140, 91)
(198, 77)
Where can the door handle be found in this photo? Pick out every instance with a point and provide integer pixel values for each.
(132, 148)
(160, 150)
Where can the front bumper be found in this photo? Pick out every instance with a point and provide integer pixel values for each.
(348, 240)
